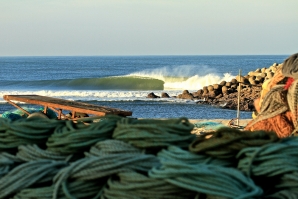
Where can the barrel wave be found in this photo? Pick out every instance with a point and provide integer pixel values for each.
(117, 83)
(106, 83)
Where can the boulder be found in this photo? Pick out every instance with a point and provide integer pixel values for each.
(210, 88)
(186, 95)
(263, 70)
(165, 95)
(224, 90)
(217, 86)
(234, 81)
(223, 83)
(152, 95)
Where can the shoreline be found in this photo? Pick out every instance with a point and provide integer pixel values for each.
(242, 122)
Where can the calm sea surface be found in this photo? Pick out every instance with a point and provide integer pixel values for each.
(125, 81)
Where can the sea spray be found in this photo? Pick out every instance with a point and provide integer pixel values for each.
(197, 82)
(186, 77)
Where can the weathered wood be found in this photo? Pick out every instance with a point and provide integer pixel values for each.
(61, 104)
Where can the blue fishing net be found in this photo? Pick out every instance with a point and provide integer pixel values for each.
(209, 125)
(17, 113)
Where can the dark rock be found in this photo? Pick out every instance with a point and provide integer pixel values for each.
(152, 95)
(234, 87)
(200, 92)
(205, 93)
(186, 95)
(212, 94)
(165, 95)
(217, 86)
(228, 84)
(234, 81)
(223, 83)
(210, 88)
(224, 90)
(185, 92)
(219, 96)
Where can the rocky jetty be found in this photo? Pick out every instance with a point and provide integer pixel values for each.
(225, 94)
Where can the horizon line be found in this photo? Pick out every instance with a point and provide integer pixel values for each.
(143, 55)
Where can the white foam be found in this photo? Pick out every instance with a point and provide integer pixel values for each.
(86, 95)
(186, 77)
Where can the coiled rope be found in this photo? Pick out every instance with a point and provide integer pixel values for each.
(150, 133)
(180, 166)
(77, 137)
(28, 174)
(226, 142)
(204, 177)
(33, 152)
(7, 162)
(275, 161)
(130, 184)
(80, 189)
(26, 131)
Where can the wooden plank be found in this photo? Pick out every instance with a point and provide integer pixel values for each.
(67, 105)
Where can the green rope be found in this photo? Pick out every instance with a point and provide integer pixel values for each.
(79, 189)
(211, 179)
(177, 154)
(284, 194)
(33, 152)
(77, 137)
(289, 182)
(276, 161)
(8, 162)
(146, 133)
(28, 174)
(25, 131)
(270, 160)
(103, 161)
(226, 142)
(266, 166)
(130, 184)
(112, 147)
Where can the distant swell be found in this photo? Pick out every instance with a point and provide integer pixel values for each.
(106, 83)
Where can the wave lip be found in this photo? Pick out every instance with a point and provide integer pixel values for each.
(130, 83)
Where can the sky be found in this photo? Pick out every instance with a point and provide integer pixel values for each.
(148, 27)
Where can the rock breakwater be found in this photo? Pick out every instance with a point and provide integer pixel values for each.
(225, 94)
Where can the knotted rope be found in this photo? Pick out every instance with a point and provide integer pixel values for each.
(292, 97)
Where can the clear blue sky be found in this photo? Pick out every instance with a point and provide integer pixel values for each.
(148, 27)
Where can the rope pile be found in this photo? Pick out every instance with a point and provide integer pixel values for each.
(154, 133)
(123, 158)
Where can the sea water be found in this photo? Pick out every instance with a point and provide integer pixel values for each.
(125, 81)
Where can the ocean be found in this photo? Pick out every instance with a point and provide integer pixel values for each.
(125, 81)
